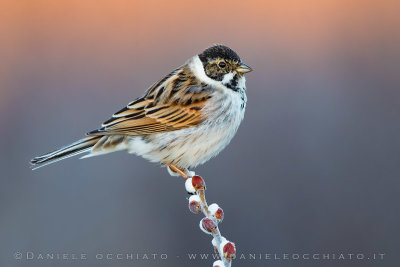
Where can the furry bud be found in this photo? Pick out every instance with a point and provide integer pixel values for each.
(189, 187)
(198, 183)
(194, 204)
(228, 250)
(216, 212)
(208, 226)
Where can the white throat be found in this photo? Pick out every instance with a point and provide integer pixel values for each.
(197, 68)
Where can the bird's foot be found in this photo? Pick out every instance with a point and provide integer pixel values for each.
(175, 171)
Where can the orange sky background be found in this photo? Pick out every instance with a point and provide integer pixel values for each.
(61, 33)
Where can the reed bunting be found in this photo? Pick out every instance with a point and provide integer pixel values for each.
(182, 121)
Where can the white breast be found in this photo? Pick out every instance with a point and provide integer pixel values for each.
(195, 145)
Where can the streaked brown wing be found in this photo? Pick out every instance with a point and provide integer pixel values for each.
(173, 103)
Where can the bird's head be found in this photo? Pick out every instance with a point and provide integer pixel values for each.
(223, 64)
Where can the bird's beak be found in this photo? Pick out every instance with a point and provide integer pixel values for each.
(243, 68)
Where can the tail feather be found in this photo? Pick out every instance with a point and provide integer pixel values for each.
(80, 146)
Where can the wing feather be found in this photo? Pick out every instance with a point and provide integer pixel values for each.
(174, 103)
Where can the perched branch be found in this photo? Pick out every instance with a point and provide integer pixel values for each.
(209, 224)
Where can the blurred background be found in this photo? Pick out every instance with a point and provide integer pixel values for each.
(314, 168)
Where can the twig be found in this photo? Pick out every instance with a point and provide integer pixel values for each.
(209, 224)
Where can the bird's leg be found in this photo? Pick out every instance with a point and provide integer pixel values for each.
(183, 173)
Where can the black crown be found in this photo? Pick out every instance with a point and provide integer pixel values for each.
(219, 51)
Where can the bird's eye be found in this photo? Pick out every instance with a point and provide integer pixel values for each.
(222, 64)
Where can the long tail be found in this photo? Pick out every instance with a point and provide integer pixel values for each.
(80, 146)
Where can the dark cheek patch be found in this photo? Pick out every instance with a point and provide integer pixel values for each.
(213, 71)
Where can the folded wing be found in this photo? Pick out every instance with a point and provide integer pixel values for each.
(174, 103)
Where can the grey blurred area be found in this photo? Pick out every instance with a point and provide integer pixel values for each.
(313, 169)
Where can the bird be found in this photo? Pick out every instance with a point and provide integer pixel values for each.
(181, 121)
